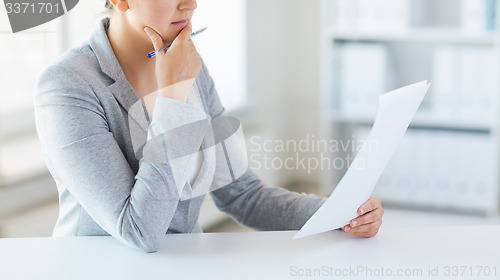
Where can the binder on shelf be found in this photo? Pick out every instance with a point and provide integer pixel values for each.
(397, 15)
(344, 15)
(477, 16)
(491, 6)
(441, 170)
(371, 16)
(445, 85)
(465, 83)
(478, 82)
(363, 70)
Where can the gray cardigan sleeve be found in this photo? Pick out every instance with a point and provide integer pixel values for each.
(134, 208)
(249, 201)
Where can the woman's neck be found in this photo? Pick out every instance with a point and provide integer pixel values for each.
(130, 48)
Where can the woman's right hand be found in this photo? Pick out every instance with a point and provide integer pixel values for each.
(177, 68)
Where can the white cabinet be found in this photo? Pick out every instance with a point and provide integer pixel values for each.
(448, 160)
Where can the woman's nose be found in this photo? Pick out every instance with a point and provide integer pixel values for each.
(188, 5)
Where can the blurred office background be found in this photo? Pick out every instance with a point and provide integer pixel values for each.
(303, 72)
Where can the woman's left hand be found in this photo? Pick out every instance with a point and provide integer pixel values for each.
(369, 221)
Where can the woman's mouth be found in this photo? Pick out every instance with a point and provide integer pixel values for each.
(181, 24)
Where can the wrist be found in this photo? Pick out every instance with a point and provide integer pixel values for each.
(177, 91)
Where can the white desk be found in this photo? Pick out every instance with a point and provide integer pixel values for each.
(259, 255)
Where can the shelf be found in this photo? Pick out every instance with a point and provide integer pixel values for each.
(453, 141)
(424, 120)
(440, 36)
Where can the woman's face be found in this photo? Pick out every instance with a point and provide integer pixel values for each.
(167, 17)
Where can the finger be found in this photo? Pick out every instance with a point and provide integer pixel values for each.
(365, 234)
(365, 230)
(185, 34)
(155, 38)
(367, 218)
(371, 204)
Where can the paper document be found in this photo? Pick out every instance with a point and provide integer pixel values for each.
(395, 112)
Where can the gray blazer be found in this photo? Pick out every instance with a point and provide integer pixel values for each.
(107, 186)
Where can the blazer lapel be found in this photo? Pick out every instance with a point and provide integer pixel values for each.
(121, 88)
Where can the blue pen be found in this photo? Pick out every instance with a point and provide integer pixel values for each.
(151, 54)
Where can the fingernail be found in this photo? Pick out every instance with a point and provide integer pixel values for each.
(361, 211)
(147, 30)
(347, 228)
(354, 223)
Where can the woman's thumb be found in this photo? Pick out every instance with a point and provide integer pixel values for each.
(155, 38)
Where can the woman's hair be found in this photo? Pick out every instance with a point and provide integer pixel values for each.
(108, 5)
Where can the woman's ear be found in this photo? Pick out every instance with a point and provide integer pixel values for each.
(121, 5)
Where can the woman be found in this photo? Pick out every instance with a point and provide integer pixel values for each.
(115, 174)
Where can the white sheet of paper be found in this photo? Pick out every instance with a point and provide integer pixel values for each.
(395, 112)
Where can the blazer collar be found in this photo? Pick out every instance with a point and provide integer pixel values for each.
(121, 89)
(103, 51)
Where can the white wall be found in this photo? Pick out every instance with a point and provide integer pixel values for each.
(283, 75)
